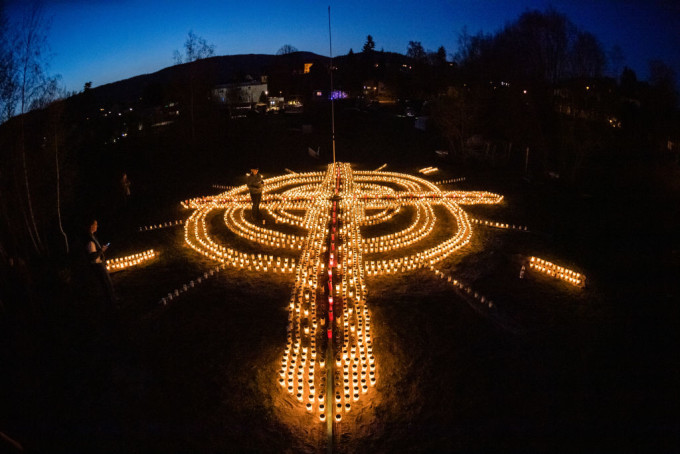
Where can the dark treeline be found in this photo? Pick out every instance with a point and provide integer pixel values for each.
(540, 83)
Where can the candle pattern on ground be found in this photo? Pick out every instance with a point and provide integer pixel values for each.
(328, 362)
(557, 271)
(122, 263)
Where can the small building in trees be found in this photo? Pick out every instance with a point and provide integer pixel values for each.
(376, 90)
(241, 94)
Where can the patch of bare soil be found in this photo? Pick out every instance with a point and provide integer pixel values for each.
(549, 368)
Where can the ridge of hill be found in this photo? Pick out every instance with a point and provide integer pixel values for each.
(229, 68)
(222, 68)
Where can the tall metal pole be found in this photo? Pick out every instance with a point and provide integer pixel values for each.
(330, 44)
(330, 356)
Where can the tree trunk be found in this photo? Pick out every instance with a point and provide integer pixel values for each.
(33, 229)
(191, 110)
(56, 159)
(28, 227)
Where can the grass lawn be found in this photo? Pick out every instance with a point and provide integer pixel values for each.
(553, 368)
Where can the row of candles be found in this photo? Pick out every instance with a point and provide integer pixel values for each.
(417, 231)
(301, 367)
(196, 235)
(474, 197)
(421, 226)
(429, 256)
(428, 170)
(285, 214)
(355, 363)
(426, 189)
(463, 288)
(565, 274)
(189, 285)
(333, 285)
(402, 179)
(462, 197)
(235, 221)
(121, 263)
(415, 187)
(384, 214)
(164, 225)
(379, 191)
(499, 225)
(451, 180)
(240, 193)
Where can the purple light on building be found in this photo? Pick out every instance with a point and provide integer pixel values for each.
(338, 94)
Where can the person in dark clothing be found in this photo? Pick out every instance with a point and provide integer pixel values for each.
(255, 185)
(125, 187)
(95, 253)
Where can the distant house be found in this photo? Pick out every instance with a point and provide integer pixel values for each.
(375, 89)
(248, 92)
(275, 103)
(293, 104)
(592, 100)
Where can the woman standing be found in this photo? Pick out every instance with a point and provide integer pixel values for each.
(95, 253)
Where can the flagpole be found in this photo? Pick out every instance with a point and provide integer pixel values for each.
(330, 44)
(330, 362)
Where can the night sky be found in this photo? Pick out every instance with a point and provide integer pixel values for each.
(106, 41)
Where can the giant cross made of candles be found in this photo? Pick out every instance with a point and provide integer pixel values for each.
(328, 361)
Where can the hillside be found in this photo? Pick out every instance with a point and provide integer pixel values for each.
(222, 69)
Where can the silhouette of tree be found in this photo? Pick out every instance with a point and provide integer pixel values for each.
(541, 42)
(55, 132)
(662, 101)
(30, 84)
(587, 57)
(473, 50)
(7, 69)
(538, 49)
(438, 58)
(663, 78)
(629, 82)
(457, 117)
(195, 48)
(616, 60)
(286, 49)
(416, 51)
(519, 75)
(369, 45)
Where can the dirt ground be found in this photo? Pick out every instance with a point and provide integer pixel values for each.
(552, 368)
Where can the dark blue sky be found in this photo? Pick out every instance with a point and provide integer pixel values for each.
(106, 41)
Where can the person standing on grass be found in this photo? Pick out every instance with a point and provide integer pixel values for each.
(255, 185)
(95, 253)
(125, 187)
